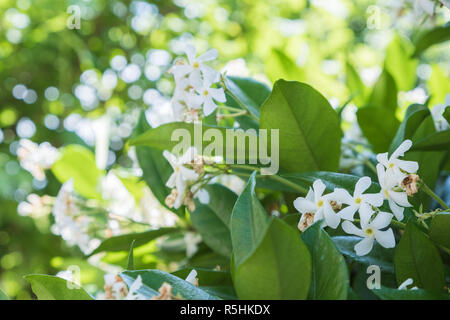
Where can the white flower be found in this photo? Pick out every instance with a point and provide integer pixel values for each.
(181, 175)
(192, 240)
(132, 292)
(396, 169)
(208, 95)
(120, 201)
(36, 158)
(315, 202)
(358, 201)
(35, 206)
(437, 113)
(406, 283)
(426, 6)
(396, 199)
(116, 289)
(196, 70)
(371, 231)
(192, 277)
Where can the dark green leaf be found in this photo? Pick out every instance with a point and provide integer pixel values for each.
(432, 37)
(439, 229)
(419, 294)
(130, 263)
(437, 141)
(326, 283)
(416, 257)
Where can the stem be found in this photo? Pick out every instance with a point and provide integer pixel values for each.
(393, 223)
(274, 177)
(239, 102)
(430, 192)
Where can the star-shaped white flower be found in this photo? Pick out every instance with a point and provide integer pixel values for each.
(397, 169)
(371, 231)
(437, 112)
(181, 175)
(317, 203)
(359, 200)
(396, 199)
(208, 95)
(196, 70)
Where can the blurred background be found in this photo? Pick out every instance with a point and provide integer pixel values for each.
(57, 80)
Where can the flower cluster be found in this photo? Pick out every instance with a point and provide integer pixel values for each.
(36, 158)
(397, 180)
(194, 85)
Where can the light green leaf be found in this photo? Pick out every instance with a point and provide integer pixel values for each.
(432, 37)
(249, 222)
(309, 132)
(280, 268)
(212, 220)
(400, 64)
(379, 256)
(122, 242)
(153, 279)
(379, 126)
(356, 86)
(416, 257)
(78, 163)
(326, 283)
(438, 84)
(130, 263)
(280, 66)
(439, 229)
(47, 287)
(384, 93)
(446, 114)
(3, 295)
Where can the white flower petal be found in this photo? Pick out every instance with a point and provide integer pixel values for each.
(188, 174)
(408, 166)
(402, 148)
(303, 205)
(209, 106)
(401, 198)
(362, 185)
(350, 228)
(208, 55)
(190, 53)
(365, 213)
(396, 210)
(375, 199)
(218, 94)
(364, 246)
(385, 238)
(341, 196)
(383, 158)
(331, 218)
(171, 158)
(348, 213)
(172, 181)
(319, 188)
(381, 221)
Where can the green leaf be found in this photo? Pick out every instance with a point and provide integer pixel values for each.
(279, 65)
(356, 86)
(153, 279)
(419, 294)
(437, 141)
(384, 92)
(249, 222)
(439, 229)
(438, 84)
(309, 132)
(250, 92)
(326, 283)
(414, 116)
(212, 220)
(156, 170)
(400, 64)
(130, 263)
(280, 268)
(122, 242)
(47, 287)
(3, 295)
(432, 37)
(446, 114)
(379, 126)
(416, 257)
(78, 163)
(379, 256)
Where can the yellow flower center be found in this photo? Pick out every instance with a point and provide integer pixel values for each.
(205, 93)
(369, 231)
(177, 169)
(386, 193)
(196, 65)
(358, 200)
(320, 203)
(391, 165)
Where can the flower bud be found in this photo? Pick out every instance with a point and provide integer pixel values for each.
(409, 183)
(306, 220)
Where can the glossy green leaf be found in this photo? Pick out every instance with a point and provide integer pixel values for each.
(281, 66)
(384, 92)
(432, 37)
(419, 294)
(437, 141)
(439, 229)
(153, 279)
(122, 242)
(130, 262)
(47, 287)
(416, 257)
(438, 84)
(212, 220)
(249, 222)
(280, 268)
(379, 256)
(78, 163)
(326, 283)
(400, 64)
(414, 116)
(309, 133)
(379, 126)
